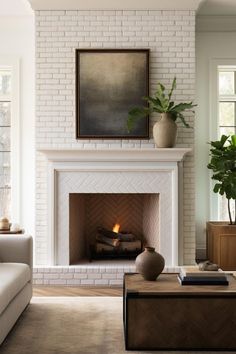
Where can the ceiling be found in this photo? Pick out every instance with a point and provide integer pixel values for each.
(217, 7)
(207, 7)
(15, 8)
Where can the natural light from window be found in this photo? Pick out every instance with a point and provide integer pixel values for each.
(5, 141)
(227, 116)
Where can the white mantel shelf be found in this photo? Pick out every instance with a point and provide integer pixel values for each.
(115, 5)
(128, 155)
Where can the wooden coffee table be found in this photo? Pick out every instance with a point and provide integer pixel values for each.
(164, 315)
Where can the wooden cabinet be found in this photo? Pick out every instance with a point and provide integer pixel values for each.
(221, 244)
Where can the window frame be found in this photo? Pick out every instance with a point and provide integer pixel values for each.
(14, 65)
(214, 99)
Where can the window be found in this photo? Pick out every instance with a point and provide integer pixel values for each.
(226, 116)
(227, 100)
(5, 141)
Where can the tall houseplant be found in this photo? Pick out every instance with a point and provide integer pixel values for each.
(221, 236)
(223, 165)
(165, 130)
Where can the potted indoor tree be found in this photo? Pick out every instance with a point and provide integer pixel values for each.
(165, 130)
(221, 236)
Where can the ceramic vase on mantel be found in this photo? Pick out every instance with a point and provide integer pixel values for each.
(149, 263)
(165, 131)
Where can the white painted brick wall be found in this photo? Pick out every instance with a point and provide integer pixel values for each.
(85, 275)
(170, 35)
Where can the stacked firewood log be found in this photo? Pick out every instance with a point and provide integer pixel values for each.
(116, 242)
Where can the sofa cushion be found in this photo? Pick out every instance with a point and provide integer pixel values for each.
(13, 277)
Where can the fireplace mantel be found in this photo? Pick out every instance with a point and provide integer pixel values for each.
(128, 155)
(113, 4)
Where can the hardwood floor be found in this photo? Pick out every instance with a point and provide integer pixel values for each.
(76, 291)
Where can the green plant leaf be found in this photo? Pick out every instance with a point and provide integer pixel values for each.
(135, 114)
(223, 139)
(223, 165)
(173, 87)
(233, 140)
(182, 107)
(162, 87)
(158, 109)
(218, 144)
(171, 104)
(153, 101)
(183, 120)
(160, 103)
(217, 187)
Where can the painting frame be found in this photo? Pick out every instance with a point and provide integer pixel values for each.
(142, 57)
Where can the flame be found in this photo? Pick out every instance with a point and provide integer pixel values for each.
(116, 228)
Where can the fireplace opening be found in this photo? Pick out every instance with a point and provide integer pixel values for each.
(112, 225)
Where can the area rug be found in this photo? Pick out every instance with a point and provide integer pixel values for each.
(69, 325)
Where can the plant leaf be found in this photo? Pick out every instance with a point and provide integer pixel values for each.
(171, 104)
(218, 144)
(173, 87)
(183, 120)
(217, 187)
(223, 165)
(135, 114)
(182, 107)
(153, 101)
(233, 140)
(160, 103)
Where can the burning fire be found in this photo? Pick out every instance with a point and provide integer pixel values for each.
(116, 228)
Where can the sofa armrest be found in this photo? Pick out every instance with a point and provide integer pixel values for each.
(16, 249)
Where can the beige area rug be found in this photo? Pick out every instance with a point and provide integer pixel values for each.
(69, 325)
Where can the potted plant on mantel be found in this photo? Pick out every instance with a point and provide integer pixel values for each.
(221, 236)
(165, 130)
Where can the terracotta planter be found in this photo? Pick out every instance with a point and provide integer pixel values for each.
(221, 244)
(150, 263)
(165, 131)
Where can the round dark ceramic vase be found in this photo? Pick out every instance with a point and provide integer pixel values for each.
(149, 263)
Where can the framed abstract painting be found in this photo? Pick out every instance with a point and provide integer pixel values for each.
(109, 82)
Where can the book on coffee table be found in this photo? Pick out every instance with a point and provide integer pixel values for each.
(194, 271)
(203, 280)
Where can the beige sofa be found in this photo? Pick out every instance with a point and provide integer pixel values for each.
(15, 279)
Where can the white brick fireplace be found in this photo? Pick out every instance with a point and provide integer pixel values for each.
(169, 33)
(116, 171)
(147, 171)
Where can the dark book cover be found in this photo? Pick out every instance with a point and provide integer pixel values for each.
(203, 278)
(203, 282)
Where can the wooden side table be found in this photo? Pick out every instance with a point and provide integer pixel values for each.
(164, 315)
(11, 232)
(5, 232)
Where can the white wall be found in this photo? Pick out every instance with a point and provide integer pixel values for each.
(17, 43)
(209, 46)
